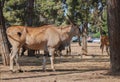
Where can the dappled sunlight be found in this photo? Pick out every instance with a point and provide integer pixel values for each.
(94, 65)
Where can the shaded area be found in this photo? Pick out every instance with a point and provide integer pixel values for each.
(71, 67)
(61, 72)
(33, 61)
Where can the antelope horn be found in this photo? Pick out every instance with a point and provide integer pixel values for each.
(69, 19)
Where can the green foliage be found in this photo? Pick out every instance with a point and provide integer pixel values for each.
(50, 11)
(79, 10)
(96, 35)
(99, 19)
(14, 11)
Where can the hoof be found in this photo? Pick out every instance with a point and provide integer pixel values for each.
(20, 71)
(44, 70)
(12, 71)
(17, 71)
(54, 70)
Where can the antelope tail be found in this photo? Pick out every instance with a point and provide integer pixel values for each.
(22, 36)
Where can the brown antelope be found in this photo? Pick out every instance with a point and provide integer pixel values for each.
(64, 30)
(47, 38)
(104, 43)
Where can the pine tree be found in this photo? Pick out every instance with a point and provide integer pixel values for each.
(4, 48)
(114, 33)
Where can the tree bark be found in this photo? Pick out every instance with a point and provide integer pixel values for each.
(114, 33)
(4, 48)
(30, 12)
(84, 39)
(84, 44)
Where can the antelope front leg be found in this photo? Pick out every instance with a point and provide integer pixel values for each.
(44, 63)
(68, 50)
(107, 50)
(51, 53)
(102, 49)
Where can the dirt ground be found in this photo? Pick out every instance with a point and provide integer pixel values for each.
(91, 68)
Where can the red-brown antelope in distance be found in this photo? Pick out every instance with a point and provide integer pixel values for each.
(47, 38)
(104, 43)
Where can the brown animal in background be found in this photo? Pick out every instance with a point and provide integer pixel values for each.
(105, 43)
(64, 30)
(47, 38)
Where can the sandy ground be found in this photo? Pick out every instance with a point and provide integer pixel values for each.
(91, 68)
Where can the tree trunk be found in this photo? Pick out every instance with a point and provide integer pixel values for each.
(4, 48)
(114, 33)
(84, 39)
(30, 12)
(84, 44)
